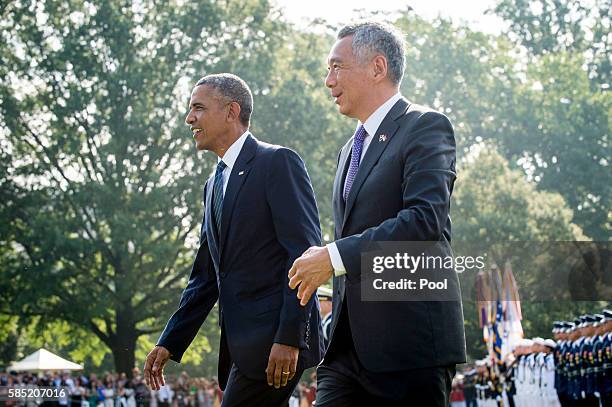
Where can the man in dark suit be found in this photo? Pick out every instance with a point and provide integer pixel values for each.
(260, 215)
(394, 181)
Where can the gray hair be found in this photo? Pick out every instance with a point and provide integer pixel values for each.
(233, 89)
(371, 38)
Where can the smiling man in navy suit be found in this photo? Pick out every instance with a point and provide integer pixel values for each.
(260, 215)
(393, 182)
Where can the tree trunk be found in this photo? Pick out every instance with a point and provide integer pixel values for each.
(124, 354)
(123, 344)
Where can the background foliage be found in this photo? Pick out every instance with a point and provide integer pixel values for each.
(100, 186)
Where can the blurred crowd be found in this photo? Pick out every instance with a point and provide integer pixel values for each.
(573, 369)
(117, 390)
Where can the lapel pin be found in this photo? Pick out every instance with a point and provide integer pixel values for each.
(382, 138)
(241, 172)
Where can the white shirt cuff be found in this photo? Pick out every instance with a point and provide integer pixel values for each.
(336, 260)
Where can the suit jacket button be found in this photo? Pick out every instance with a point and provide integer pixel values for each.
(222, 274)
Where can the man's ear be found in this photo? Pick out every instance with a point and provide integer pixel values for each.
(234, 112)
(379, 65)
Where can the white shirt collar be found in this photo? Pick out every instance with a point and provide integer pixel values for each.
(231, 155)
(373, 122)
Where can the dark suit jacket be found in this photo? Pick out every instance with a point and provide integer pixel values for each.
(269, 218)
(401, 192)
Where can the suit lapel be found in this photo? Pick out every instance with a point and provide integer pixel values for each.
(380, 141)
(212, 237)
(236, 180)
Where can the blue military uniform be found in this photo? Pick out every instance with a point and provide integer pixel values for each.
(560, 362)
(587, 365)
(583, 367)
(606, 363)
(598, 350)
(575, 365)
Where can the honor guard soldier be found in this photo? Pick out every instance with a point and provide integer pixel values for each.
(325, 302)
(575, 387)
(598, 350)
(522, 376)
(510, 377)
(588, 362)
(607, 358)
(544, 374)
(531, 394)
(480, 383)
(538, 371)
(561, 335)
(484, 386)
(549, 393)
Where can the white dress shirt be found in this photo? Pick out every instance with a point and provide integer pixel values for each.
(371, 125)
(230, 157)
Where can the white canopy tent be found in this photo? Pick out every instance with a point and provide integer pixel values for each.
(42, 360)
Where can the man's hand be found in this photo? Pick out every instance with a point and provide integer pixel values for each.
(309, 271)
(154, 367)
(282, 364)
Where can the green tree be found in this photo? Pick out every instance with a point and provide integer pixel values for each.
(297, 112)
(494, 203)
(8, 339)
(553, 26)
(564, 141)
(100, 190)
(460, 72)
(104, 185)
(543, 109)
(563, 104)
